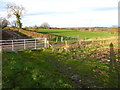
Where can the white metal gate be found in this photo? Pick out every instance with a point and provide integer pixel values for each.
(17, 44)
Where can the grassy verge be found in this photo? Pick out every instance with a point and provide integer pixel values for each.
(59, 69)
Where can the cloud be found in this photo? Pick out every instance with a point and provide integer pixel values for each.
(2, 5)
(106, 9)
(48, 13)
(67, 12)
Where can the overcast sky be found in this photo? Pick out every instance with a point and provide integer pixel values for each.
(66, 13)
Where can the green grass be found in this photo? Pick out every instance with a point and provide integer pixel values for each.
(32, 69)
(73, 33)
(44, 69)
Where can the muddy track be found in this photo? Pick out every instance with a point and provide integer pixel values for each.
(7, 34)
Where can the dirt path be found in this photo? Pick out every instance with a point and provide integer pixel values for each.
(7, 34)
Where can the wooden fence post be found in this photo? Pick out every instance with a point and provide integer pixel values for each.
(66, 46)
(112, 55)
(56, 39)
(65, 43)
(48, 43)
(61, 39)
(114, 65)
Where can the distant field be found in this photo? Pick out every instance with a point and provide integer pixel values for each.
(74, 34)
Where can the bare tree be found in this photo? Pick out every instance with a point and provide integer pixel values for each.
(3, 22)
(17, 11)
(45, 25)
(13, 23)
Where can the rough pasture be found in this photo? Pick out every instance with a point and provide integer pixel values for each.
(81, 68)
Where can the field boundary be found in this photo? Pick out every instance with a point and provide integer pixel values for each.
(31, 34)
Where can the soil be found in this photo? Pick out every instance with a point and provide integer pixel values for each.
(7, 35)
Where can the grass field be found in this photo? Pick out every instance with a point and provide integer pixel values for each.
(75, 34)
(85, 67)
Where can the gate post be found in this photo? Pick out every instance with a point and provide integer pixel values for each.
(45, 42)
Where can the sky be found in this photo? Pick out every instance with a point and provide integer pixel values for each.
(66, 13)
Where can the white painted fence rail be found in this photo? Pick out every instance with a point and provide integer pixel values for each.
(17, 44)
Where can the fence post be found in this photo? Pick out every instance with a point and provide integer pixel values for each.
(45, 42)
(56, 39)
(113, 66)
(112, 55)
(61, 39)
(48, 43)
(66, 46)
(24, 43)
(12, 46)
(35, 43)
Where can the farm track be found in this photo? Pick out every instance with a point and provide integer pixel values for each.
(7, 34)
